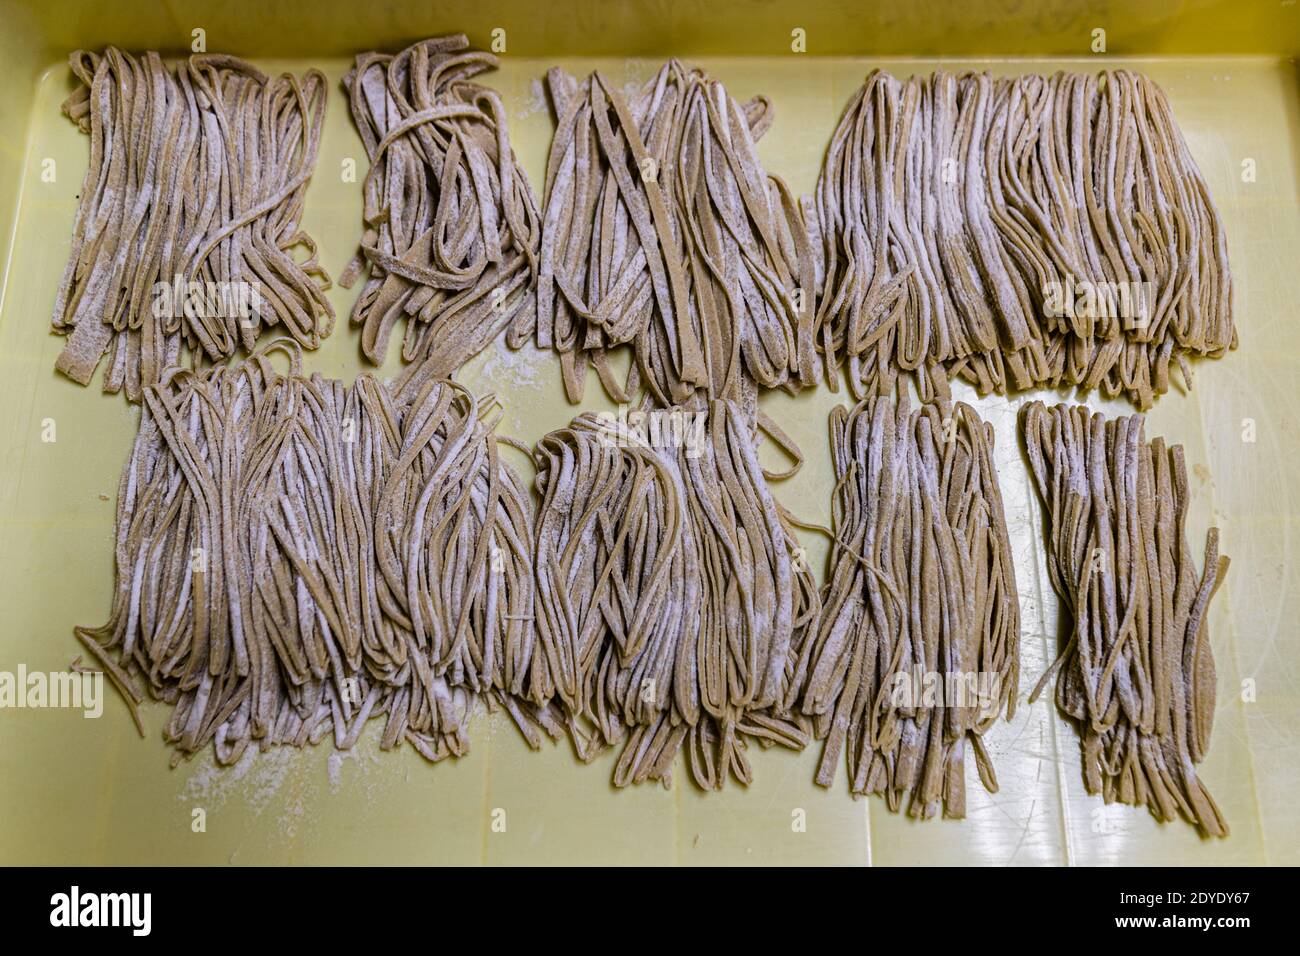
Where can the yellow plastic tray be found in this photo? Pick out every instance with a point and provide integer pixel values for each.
(74, 790)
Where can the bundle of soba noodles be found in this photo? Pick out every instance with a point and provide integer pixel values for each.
(663, 231)
(917, 649)
(1137, 671)
(296, 556)
(451, 222)
(1037, 231)
(672, 600)
(187, 233)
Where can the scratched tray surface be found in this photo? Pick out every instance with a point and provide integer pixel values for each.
(81, 790)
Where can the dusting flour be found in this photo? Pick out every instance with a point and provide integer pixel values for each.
(265, 780)
(536, 101)
(507, 368)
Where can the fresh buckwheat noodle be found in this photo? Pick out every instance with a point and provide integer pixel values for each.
(452, 227)
(1037, 231)
(296, 556)
(916, 652)
(1137, 671)
(662, 231)
(196, 181)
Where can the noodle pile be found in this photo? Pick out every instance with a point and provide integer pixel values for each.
(1029, 232)
(296, 556)
(671, 600)
(451, 222)
(188, 221)
(663, 231)
(917, 648)
(1137, 674)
